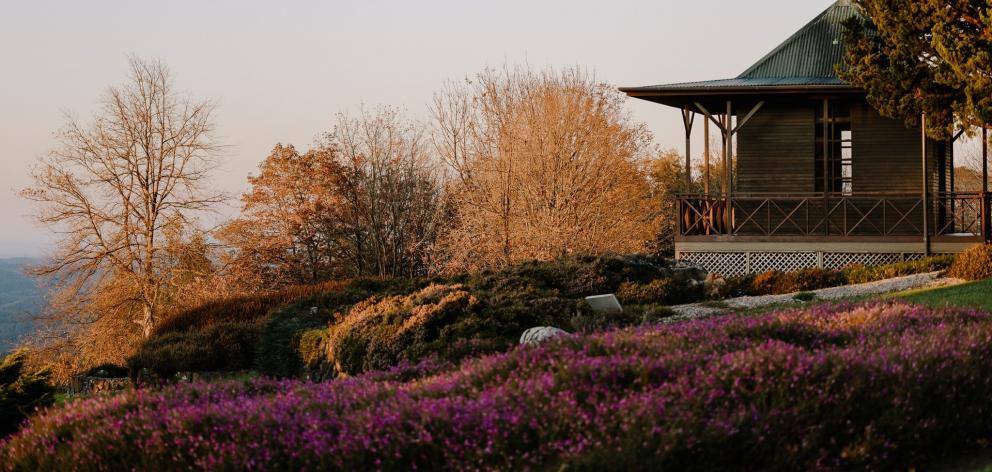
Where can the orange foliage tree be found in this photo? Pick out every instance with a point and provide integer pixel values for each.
(545, 165)
(367, 202)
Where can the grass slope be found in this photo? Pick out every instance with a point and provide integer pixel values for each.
(977, 295)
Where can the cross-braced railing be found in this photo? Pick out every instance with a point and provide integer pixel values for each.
(877, 214)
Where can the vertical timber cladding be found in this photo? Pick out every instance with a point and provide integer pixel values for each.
(775, 150)
(887, 154)
(775, 156)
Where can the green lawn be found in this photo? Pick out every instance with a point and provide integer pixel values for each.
(974, 295)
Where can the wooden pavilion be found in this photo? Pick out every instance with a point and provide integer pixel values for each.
(812, 175)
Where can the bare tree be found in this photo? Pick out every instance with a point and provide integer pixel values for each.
(393, 207)
(367, 202)
(546, 164)
(115, 182)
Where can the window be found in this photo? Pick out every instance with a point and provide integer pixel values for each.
(834, 161)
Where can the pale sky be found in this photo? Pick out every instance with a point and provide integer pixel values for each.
(281, 70)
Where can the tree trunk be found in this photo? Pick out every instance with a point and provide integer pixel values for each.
(147, 322)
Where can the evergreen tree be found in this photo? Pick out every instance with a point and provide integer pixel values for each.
(924, 56)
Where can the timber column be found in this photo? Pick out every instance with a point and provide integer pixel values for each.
(986, 208)
(926, 186)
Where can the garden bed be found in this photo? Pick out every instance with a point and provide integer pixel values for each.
(917, 281)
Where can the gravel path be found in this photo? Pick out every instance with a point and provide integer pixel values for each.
(700, 310)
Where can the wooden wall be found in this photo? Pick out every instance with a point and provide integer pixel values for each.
(775, 150)
(887, 153)
(775, 154)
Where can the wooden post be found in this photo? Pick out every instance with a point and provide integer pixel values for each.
(688, 118)
(706, 156)
(729, 163)
(723, 153)
(826, 166)
(985, 159)
(949, 155)
(948, 197)
(985, 185)
(926, 186)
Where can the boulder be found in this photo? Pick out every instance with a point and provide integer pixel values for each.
(541, 334)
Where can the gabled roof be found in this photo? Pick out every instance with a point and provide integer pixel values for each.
(806, 60)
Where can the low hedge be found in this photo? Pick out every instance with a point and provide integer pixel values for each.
(778, 283)
(265, 332)
(862, 274)
(364, 318)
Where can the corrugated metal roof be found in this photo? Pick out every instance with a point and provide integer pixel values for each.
(807, 59)
(812, 52)
(752, 82)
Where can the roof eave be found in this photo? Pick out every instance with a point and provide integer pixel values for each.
(639, 92)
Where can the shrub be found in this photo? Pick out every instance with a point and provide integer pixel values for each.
(811, 279)
(777, 282)
(973, 264)
(313, 346)
(21, 392)
(252, 332)
(767, 283)
(655, 291)
(265, 332)
(242, 309)
(668, 291)
(651, 313)
(878, 386)
(718, 287)
(585, 320)
(378, 333)
(573, 277)
(861, 274)
(223, 346)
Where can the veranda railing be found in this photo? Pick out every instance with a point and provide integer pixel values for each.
(866, 214)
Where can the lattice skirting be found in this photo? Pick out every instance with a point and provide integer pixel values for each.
(740, 263)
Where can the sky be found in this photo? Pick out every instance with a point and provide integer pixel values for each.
(279, 71)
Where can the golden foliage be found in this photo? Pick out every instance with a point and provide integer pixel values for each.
(546, 164)
(371, 335)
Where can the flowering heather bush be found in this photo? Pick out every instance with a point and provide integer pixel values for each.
(876, 386)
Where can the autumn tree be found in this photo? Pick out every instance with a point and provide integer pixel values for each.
(930, 57)
(284, 234)
(666, 176)
(366, 202)
(544, 165)
(393, 208)
(115, 183)
(74, 335)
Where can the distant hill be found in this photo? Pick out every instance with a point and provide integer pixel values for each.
(19, 296)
